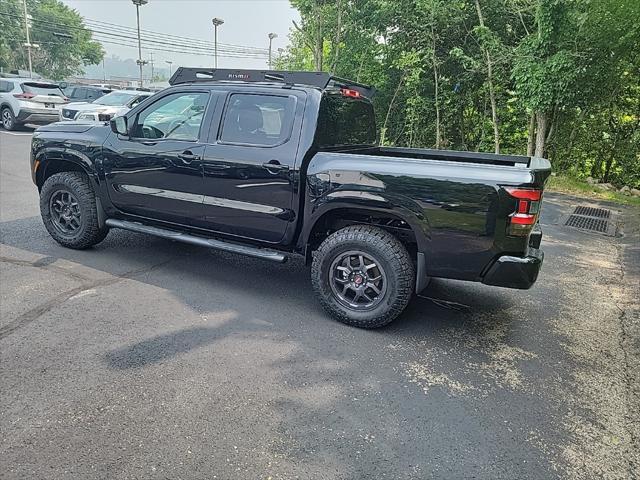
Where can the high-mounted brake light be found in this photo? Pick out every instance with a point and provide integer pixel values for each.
(24, 96)
(349, 92)
(527, 210)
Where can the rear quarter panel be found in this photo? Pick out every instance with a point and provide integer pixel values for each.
(457, 210)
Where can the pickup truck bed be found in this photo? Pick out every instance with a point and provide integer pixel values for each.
(269, 165)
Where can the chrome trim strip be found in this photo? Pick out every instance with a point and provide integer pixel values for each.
(202, 199)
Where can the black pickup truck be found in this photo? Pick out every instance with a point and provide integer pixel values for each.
(272, 164)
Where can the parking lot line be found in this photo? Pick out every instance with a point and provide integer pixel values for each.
(17, 134)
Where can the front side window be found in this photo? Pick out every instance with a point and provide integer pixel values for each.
(178, 116)
(264, 120)
(136, 101)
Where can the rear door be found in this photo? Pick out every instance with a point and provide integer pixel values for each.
(156, 171)
(249, 164)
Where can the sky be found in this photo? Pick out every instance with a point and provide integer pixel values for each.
(246, 22)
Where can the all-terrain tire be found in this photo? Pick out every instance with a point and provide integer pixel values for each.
(8, 119)
(77, 187)
(396, 267)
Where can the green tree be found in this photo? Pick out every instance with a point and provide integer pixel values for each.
(558, 78)
(65, 45)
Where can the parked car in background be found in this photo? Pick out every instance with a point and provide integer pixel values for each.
(138, 89)
(85, 93)
(24, 100)
(105, 107)
(110, 86)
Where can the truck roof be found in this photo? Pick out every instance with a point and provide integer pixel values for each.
(319, 80)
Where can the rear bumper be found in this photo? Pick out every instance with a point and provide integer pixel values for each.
(515, 272)
(29, 115)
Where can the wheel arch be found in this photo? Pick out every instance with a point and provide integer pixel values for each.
(53, 164)
(403, 225)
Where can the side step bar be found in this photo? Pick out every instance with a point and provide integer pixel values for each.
(262, 253)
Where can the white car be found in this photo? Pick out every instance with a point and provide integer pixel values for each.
(104, 108)
(24, 100)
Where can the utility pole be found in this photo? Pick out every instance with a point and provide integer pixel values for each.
(169, 62)
(28, 44)
(271, 37)
(104, 72)
(216, 23)
(140, 62)
(151, 63)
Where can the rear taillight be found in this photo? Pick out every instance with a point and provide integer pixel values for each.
(24, 96)
(521, 221)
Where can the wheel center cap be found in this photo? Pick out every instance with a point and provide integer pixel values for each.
(358, 279)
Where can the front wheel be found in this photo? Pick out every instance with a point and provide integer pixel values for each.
(363, 276)
(69, 210)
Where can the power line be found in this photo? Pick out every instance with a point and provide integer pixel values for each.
(175, 47)
(166, 35)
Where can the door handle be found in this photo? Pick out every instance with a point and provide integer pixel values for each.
(188, 157)
(275, 166)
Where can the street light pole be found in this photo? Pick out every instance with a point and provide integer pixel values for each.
(169, 62)
(216, 23)
(271, 37)
(28, 44)
(140, 62)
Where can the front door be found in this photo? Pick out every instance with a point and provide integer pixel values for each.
(156, 172)
(249, 165)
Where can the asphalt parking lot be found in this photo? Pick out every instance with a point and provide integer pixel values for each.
(143, 358)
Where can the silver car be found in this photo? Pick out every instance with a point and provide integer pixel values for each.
(25, 100)
(104, 108)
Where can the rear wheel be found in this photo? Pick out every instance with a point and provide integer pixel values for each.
(69, 211)
(8, 119)
(363, 276)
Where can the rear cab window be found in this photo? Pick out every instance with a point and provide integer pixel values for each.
(42, 89)
(344, 121)
(257, 119)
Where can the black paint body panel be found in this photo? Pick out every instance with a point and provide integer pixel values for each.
(454, 202)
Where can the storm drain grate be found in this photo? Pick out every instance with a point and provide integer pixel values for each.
(592, 219)
(592, 212)
(588, 223)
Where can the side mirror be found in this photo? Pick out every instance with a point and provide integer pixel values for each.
(119, 125)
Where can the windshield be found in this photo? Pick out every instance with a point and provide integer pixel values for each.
(114, 99)
(42, 89)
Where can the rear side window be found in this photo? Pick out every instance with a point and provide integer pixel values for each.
(263, 120)
(42, 89)
(345, 121)
(5, 86)
(93, 93)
